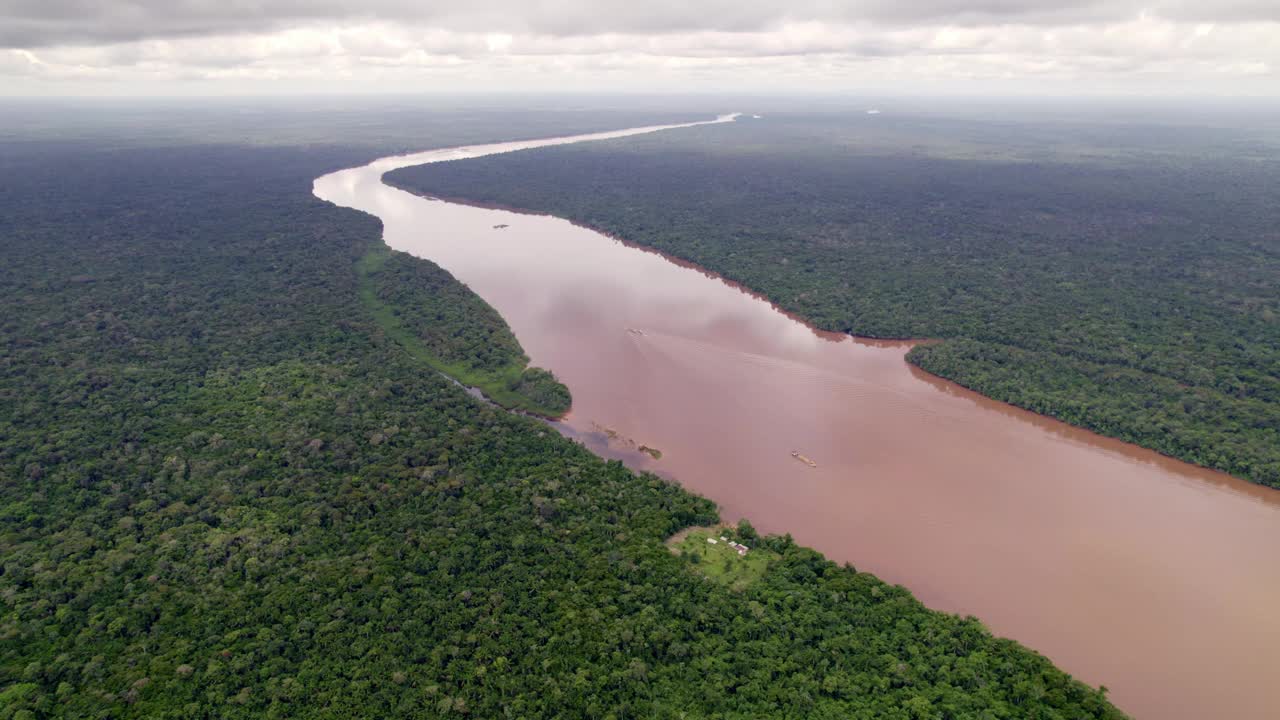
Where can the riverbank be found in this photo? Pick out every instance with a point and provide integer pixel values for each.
(455, 312)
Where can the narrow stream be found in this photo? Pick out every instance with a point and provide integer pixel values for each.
(1152, 577)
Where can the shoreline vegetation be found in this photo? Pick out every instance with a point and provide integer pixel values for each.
(228, 491)
(1075, 297)
(441, 323)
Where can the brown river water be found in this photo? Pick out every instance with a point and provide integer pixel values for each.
(1152, 577)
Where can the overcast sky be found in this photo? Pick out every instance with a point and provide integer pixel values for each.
(1059, 47)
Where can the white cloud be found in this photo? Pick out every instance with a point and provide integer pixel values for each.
(661, 45)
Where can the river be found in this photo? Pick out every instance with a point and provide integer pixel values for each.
(1147, 575)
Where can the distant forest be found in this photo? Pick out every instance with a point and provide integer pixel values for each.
(227, 490)
(1124, 278)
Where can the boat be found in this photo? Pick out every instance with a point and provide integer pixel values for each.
(796, 454)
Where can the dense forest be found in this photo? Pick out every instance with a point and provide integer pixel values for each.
(441, 322)
(1124, 278)
(226, 491)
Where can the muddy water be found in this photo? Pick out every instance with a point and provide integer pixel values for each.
(1154, 578)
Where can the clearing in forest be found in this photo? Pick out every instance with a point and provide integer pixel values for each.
(720, 561)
